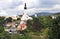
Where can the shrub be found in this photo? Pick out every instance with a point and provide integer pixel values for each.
(55, 28)
(1, 29)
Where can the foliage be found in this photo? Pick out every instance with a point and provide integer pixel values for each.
(36, 26)
(9, 19)
(45, 21)
(2, 21)
(55, 28)
(1, 29)
(50, 29)
(4, 35)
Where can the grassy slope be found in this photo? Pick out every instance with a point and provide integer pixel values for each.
(32, 35)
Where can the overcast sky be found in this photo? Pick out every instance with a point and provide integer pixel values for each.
(14, 7)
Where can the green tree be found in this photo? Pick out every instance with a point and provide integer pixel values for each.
(2, 21)
(55, 29)
(36, 26)
(9, 19)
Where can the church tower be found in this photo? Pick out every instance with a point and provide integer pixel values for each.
(25, 7)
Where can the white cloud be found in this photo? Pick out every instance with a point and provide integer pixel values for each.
(3, 13)
(21, 7)
(56, 6)
(5, 3)
(17, 6)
